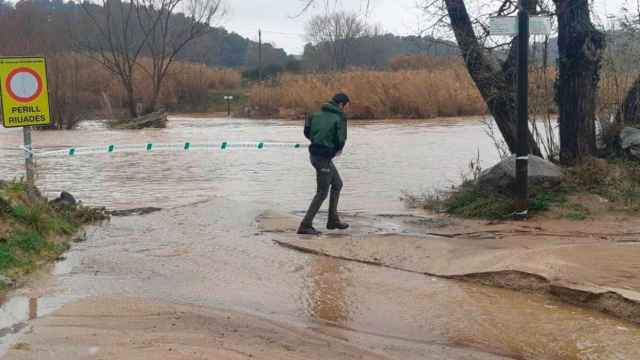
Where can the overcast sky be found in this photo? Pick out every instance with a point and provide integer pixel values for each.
(280, 26)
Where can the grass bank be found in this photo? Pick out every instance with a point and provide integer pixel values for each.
(33, 231)
(594, 187)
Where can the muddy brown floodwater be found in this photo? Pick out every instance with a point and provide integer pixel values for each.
(382, 159)
(200, 280)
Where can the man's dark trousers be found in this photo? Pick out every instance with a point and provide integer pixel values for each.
(328, 179)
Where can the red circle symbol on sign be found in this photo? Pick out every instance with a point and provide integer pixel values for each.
(24, 84)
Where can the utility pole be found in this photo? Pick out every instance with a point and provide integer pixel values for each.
(260, 55)
(522, 156)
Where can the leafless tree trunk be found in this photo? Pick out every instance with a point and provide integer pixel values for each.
(581, 48)
(629, 112)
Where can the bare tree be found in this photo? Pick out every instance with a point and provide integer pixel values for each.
(581, 48)
(115, 42)
(366, 5)
(168, 33)
(124, 31)
(338, 31)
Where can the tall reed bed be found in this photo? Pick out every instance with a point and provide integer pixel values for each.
(415, 87)
(375, 94)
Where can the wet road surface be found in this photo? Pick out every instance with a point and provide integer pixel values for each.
(211, 255)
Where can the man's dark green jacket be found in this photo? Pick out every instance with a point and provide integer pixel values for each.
(327, 131)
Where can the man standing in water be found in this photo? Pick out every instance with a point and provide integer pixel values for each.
(327, 131)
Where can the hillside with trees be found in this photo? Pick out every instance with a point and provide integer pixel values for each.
(54, 25)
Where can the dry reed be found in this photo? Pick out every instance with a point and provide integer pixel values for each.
(437, 90)
(375, 94)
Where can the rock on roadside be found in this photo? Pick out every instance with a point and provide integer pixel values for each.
(65, 200)
(630, 140)
(502, 176)
(7, 282)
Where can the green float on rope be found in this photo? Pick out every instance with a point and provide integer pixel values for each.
(186, 146)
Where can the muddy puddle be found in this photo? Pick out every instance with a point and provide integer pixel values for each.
(18, 311)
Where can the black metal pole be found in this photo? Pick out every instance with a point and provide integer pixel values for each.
(522, 159)
(259, 55)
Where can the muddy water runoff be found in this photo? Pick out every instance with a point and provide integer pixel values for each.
(203, 249)
(381, 160)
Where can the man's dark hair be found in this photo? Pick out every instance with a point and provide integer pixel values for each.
(341, 99)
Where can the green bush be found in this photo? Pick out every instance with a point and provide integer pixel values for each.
(24, 249)
(470, 201)
(41, 217)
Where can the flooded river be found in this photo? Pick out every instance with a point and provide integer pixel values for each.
(204, 250)
(381, 160)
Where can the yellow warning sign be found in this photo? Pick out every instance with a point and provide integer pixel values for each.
(25, 99)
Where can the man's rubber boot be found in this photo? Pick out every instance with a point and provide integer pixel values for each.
(308, 230)
(337, 225)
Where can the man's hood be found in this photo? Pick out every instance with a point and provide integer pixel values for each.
(331, 107)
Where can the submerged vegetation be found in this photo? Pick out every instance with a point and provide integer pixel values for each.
(34, 231)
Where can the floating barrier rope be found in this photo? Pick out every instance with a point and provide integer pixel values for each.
(152, 147)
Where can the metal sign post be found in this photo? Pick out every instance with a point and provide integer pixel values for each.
(522, 156)
(512, 26)
(228, 99)
(28, 155)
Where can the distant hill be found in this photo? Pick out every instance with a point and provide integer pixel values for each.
(622, 47)
(46, 26)
(376, 51)
(220, 48)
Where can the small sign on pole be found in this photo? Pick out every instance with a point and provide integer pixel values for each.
(25, 100)
(508, 25)
(504, 25)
